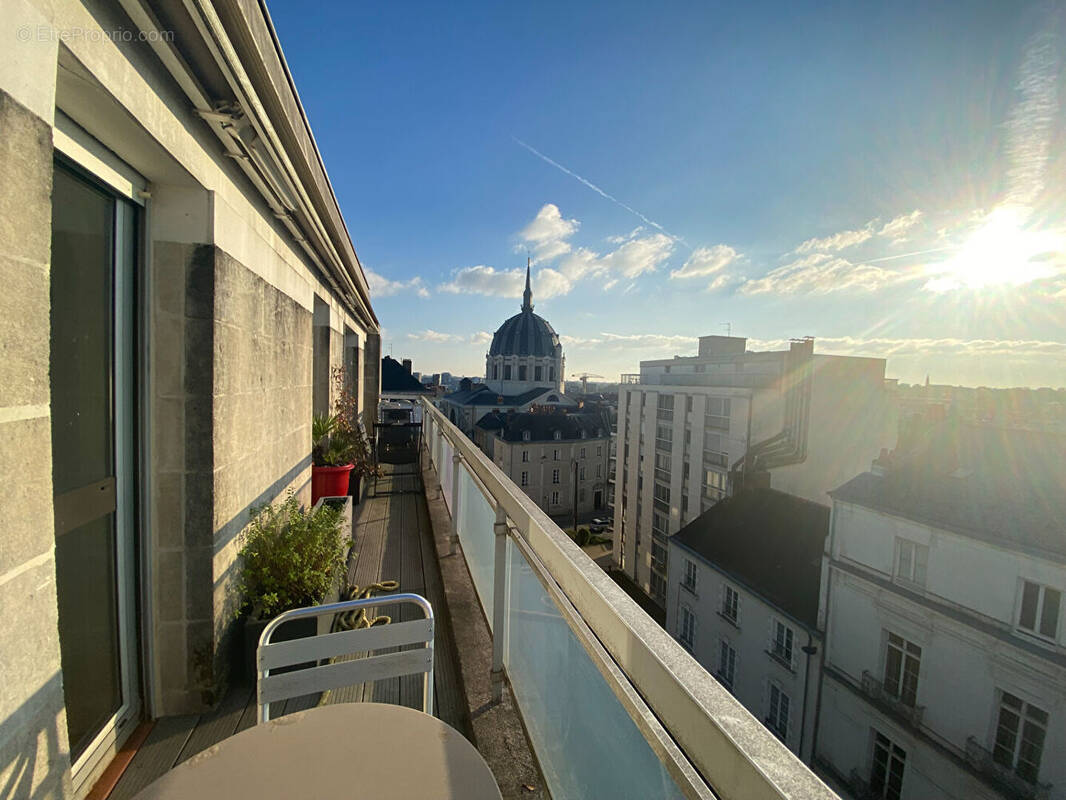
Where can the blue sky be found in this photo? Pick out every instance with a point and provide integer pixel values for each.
(887, 178)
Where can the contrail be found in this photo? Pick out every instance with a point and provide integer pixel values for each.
(908, 255)
(599, 191)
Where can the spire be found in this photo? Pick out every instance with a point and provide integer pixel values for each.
(527, 295)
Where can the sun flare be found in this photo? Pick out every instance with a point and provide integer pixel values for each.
(1002, 251)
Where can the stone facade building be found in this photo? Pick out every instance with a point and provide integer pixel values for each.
(179, 291)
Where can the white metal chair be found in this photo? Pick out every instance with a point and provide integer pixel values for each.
(275, 655)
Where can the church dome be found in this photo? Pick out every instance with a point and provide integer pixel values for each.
(525, 334)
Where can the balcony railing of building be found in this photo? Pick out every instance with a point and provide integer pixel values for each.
(1003, 778)
(612, 704)
(664, 414)
(664, 445)
(630, 378)
(662, 475)
(875, 690)
(716, 421)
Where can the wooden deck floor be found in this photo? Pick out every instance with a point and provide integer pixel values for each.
(393, 541)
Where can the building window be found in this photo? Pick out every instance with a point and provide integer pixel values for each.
(537, 373)
(1020, 733)
(911, 560)
(557, 435)
(495, 371)
(526, 436)
(781, 642)
(555, 455)
(581, 472)
(555, 476)
(658, 588)
(551, 373)
(599, 448)
(727, 664)
(777, 718)
(1039, 612)
(581, 453)
(731, 604)
(599, 470)
(718, 413)
(555, 498)
(686, 632)
(684, 504)
(688, 403)
(902, 661)
(886, 773)
(507, 372)
(525, 455)
(658, 554)
(521, 372)
(688, 580)
(525, 479)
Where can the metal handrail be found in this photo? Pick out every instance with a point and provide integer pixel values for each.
(723, 741)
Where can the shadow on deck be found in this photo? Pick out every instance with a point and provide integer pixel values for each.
(393, 540)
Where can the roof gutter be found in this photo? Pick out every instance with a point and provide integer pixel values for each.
(250, 139)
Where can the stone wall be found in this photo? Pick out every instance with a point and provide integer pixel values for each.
(231, 431)
(34, 754)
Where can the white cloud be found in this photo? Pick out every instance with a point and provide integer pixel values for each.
(429, 335)
(836, 242)
(380, 286)
(895, 228)
(888, 347)
(706, 261)
(631, 258)
(819, 273)
(548, 233)
(631, 341)
(505, 282)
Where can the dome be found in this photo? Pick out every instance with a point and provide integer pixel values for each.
(525, 334)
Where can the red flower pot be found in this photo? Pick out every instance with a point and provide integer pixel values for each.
(329, 481)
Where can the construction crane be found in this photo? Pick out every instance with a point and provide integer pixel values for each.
(584, 378)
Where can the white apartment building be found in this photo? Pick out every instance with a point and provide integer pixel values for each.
(945, 670)
(743, 595)
(690, 428)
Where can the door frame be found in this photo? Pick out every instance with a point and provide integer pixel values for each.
(78, 153)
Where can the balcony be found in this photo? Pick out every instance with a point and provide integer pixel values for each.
(664, 445)
(540, 654)
(1004, 779)
(629, 378)
(890, 703)
(674, 730)
(664, 414)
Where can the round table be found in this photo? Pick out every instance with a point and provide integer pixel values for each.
(358, 750)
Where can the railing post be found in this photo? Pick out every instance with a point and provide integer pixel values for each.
(499, 599)
(457, 460)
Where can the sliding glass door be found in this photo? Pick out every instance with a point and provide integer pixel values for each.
(93, 254)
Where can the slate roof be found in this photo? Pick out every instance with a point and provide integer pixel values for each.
(525, 334)
(542, 427)
(394, 378)
(767, 540)
(482, 395)
(994, 484)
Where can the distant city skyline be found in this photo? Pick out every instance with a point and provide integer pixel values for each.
(886, 180)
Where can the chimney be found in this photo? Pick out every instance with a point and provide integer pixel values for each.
(407, 365)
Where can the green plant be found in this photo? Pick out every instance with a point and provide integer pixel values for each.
(348, 426)
(290, 557)
(331, 444)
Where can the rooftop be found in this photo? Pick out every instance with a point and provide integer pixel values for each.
(770, 541)
(396, 378)
(542, 427)
(992, 483)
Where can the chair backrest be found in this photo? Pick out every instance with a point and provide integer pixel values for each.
(324, 675)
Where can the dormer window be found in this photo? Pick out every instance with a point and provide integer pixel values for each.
(557, 435)
(584, 434)
(525, 436)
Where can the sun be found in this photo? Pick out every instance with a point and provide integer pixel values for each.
(1001, 252)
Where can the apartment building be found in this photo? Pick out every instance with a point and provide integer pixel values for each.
(691, 430)
(180, 288)
(742, 597)
(945, 671)
(559, 460)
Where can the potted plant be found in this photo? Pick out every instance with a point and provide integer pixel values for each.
(341, 441)
(332, 457)
(289, 558)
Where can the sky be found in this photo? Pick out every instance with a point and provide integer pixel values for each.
(889, 178)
